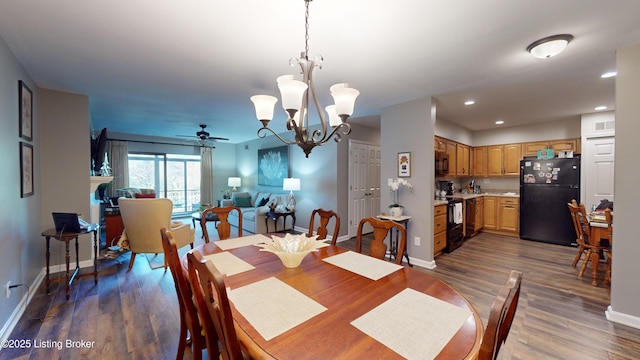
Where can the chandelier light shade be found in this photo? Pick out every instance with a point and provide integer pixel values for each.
(234, 182)
(296, 95)
(549, 46)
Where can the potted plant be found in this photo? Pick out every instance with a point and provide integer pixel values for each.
(396, 208)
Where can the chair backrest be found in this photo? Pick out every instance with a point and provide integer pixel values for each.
(501, 317)
(609, 216)
(381, 228)
(325, 217)
(223, 226)
(183, 290)
(213, 306)
(574, 210)
(142, 220)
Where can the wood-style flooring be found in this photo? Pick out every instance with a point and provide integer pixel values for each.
(134, 315)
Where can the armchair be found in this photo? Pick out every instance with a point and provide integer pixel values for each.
(143, 219)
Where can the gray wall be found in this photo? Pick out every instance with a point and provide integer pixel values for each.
(410, 127)
(625, 287)
(21, 246)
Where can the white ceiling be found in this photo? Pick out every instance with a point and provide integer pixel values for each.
(161, 67)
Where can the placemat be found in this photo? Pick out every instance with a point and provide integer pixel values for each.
(363, 265)
(229, 264)
(413, 324)
(273, 307)
(240, 242)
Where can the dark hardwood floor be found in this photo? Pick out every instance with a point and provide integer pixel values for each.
(134, 315)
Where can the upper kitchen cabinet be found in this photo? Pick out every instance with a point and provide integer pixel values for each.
(462, 160)
(504, 160)
(452, 152)
(531, 148)
(439, 144)
(479, 161)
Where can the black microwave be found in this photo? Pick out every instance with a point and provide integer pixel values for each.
(442, 163)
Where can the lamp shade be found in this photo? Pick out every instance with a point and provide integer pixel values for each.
(264, 106)
(334, 120)
(291, 91)
(344, 97)
(549, 46)
(291, 184)
(234, 182)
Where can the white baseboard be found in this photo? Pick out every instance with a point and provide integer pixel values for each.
(622, 318)
(11, 323)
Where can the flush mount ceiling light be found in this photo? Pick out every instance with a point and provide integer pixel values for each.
(499, 122)
(608, 75)
(295, 101)
(470, 102)
(549, 46)
(600, 108)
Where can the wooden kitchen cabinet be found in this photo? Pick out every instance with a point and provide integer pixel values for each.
(504, 160)
(479, 214)
(490, 213)
(479, 160)
(439, 229)
(439, 144)
(452, 152)
(508, 215)
(531, 148)
(462, 160)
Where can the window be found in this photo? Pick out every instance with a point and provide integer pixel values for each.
(176, 177)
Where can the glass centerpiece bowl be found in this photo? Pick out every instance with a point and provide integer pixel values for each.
(291, 249)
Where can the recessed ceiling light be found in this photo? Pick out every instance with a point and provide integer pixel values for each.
(600, 108)
(608, 74)
(499, 122)
(549, 46)
(470, 102)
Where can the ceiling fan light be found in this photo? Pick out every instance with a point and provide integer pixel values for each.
(549, 46)
(292, 92)
(264, 106)
(344, 97)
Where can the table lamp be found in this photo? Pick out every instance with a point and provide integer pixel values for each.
(234, 182)
(291, 184)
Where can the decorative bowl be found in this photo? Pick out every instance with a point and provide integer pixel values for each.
(291, 249)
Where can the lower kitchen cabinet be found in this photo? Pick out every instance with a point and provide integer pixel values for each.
(490, 213)
(501, 215)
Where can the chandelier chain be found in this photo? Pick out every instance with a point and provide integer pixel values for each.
(306, 30)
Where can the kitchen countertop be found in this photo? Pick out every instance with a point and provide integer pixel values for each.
(443, 201)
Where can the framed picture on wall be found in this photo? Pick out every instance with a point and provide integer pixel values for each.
(404, 164)
(25, 111)
(26, 169)
(273, 166)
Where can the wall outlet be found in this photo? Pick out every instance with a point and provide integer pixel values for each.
(416, 240)
(7, 289)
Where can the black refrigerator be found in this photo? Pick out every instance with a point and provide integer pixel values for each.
(546, 186)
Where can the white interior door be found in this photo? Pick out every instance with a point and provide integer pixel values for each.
(364, 183)
(598, 162)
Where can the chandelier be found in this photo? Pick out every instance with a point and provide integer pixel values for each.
(295, 101)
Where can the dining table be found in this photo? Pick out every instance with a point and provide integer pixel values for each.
(339, 304)
(599, 231)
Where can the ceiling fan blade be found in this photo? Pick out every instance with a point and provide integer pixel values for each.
(217, 138)
(187, 136)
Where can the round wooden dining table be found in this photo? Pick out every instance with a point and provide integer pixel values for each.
(347, 296)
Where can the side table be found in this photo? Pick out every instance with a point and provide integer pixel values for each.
(276, 215)
(393, 237)
(197, 216)
(66, 237)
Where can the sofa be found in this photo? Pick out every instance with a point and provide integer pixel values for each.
(254, 206)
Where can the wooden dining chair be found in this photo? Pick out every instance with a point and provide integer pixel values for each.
(609, 216)
(188, 313)
(210, 296)
(223, 226)
(573, 211)
(381, 228)
(322, 231)
(593, 248)
(501, 317)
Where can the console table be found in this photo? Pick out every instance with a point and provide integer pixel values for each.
(393, 240)
(66, 237)
(276, 215)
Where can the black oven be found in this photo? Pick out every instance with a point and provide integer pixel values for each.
(454, 224)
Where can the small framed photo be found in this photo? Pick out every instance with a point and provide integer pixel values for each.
(26, 169)
(404, 164)
(26, 111)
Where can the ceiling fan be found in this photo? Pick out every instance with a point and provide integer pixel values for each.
(203, 137)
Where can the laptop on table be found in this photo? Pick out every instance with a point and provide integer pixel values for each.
(68, 222)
